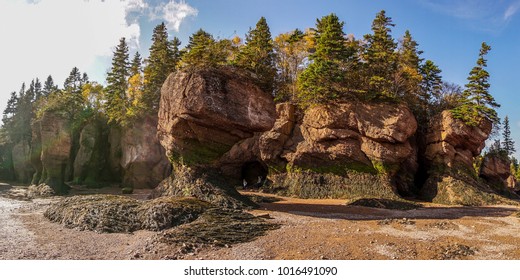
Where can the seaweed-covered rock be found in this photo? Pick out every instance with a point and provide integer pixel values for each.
(218, 227)
(102, 213)
(41, 190)
(168, 212)
(204, 184)
(111, 213)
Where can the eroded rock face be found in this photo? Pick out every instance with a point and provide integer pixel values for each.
(203, 113)
(209, 124)
(450, 142)
(21, 155)
(56, 145)
(36, 152)
(91, 165)
(496, 170)
(451, 146)
(143, 160)
(341, 136)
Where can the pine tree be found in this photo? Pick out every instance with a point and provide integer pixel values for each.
(508, 143)
(117, 84)
(408, 77)
(258, 55)
(380, 57)
(48, 86)
(431, 83)
(160, 64)
(324, 78)
(477, 102)
(202, 50)
(136, 65)
(73, 82)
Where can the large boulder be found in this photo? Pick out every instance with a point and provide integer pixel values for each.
(21, 155)
(143, 160)
(56, 147)
(203, 113)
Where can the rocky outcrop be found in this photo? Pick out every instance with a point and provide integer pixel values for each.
(341, 137)
(203, 114)
(115, 151)
(21, 155)
(36, 152)
(451, 142)
(56, 146)
(496, 170)
(143, 160)
(91, 163)
(451, 146)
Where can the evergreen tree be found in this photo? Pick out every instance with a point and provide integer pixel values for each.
(136, 65)
(176, 53)
(380, 57)
(73, 82)
(508, 142)
(37, 89)
(202, 50)
(117, 84)
(48, 86)
(324, 78)
(408, 79)
(9, 112)
(258, 55)
(160, 64)
(477, 102)
(431, 83)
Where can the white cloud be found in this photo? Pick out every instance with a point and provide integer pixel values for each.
(482, 15)
(511, 10)
(173, 13)
(42, 37)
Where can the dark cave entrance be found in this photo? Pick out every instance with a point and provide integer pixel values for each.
(253, 174)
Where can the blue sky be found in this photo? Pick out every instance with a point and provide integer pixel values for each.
(41, 37)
